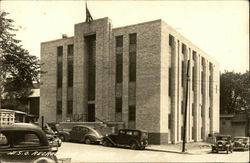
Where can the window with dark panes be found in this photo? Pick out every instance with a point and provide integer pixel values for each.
(119, 41)
(132, 66)
(202, 82)
(25, 139)
(194, 55)
(129, 133)
(118, 104)
(119, 68)
(169, 121)
(59, 66)
(132, 38)
(182, 73)
(170, 40)
(70, 65)
(169, 81)
(183, 48)
(70, 50)
(192, 109)
(193, 82)
(69, 107)
(132, 113)
(59, 107)
(182, 107)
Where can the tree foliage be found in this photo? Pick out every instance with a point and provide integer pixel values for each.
(18, 69)
(234, 92)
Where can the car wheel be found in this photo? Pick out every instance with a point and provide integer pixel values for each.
(142, 147)
(106, 143)
(87, 141)
(134, 146)
(61, 137)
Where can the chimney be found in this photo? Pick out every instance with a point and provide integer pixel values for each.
(64, 36)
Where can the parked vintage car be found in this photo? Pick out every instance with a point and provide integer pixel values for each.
(53, 139)
(23, 142)
(135, 139)
(223, 143)
(61, 133)
(241, 143)
(85, 134)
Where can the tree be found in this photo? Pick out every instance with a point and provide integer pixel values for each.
(18, 69)
(234, 92)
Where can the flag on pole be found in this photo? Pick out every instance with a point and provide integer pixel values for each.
(88, 15)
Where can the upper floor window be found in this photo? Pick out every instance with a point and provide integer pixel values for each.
(119, 41)
(132, 38)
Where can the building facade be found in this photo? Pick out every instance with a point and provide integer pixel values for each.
(134, 74)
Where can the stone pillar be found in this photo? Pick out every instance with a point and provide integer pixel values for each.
(196, 101)
(204, 100)
(125, 79)
(174, 77)
(64, 85)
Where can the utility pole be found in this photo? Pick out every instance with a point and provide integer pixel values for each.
(185, 111)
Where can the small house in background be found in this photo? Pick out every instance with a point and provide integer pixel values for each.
(33, 103)
(234, 124)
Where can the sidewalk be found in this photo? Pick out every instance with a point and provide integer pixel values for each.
(192, 148)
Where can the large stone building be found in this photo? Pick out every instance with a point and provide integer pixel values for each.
(134, 74)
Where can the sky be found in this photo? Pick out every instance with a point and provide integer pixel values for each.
(220, 28)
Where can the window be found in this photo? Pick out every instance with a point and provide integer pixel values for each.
(193, 132)
(169, 121)
(136, 133)
(194, 55)
(69, 107)
(70, 73)
(118, 104)
(183, 48)
(122, 132)
(25, 139)
(209, 112)
(84, 130)
(202, 82)
(182, 73)
(193, 78)
(59, 66)
(3, 141)
(132, 66)
(132, 113)
(203, 61)
(59, 51)
(223, 122)
(129, 133)
(59, 107)
(169, 81)
(119, 68)
(182, 132)
(192, 109)
(182, 107)
(70, 65)
(70, 50)
(119, 41)
(132, 38)
(170, 40)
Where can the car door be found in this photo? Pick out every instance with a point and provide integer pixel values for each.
(83, 132)
(74, 132)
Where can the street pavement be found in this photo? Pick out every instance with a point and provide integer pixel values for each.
(200, 152)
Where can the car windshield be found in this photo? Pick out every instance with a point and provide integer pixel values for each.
(144, 135)
(224, 138)
(238, 139)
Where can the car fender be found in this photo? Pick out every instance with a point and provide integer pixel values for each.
(136, 141)
(90, 136)
(110, 140)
